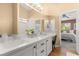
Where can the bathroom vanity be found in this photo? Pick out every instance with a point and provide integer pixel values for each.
(24, 46)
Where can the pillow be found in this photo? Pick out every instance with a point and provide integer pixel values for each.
(71, 31)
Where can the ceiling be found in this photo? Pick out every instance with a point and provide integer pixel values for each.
(57, 8)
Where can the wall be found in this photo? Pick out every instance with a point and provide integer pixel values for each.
(5, 18)
(28, 13)
(58, 8)
(58, 31)
(15, 9)
(23, 12)
(36, 15)
(8, 18)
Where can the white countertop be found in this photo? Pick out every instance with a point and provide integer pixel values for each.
(13, 43)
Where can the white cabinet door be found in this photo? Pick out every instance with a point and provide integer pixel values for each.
(49, 45)
(25, 51)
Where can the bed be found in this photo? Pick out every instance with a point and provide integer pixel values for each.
(68, 36)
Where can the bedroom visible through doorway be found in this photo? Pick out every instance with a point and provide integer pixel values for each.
(68, 33)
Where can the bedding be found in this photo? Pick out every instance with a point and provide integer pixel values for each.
(68, 36)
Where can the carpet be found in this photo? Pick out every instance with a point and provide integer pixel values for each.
(68, 45)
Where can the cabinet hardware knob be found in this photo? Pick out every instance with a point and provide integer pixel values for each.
(42, 44)
(47, 40)
(42, 51)
(34, 46)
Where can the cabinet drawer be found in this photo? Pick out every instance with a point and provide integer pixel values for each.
(41, 52)
(41, 44)
(41, 48)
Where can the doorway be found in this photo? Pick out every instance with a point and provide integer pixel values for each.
(68, 34)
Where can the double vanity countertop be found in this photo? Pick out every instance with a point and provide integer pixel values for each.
(15, 42)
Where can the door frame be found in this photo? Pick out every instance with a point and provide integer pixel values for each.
(60, 17)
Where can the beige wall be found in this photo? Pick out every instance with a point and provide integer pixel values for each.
(28, 13)
(58, 8)
(23, 12)
(58, 31)
(36, 15)
(8, 17)
(15, 15)
(5, 18)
